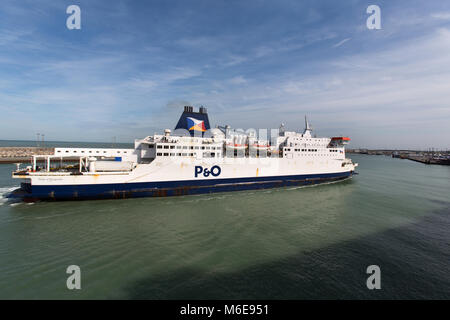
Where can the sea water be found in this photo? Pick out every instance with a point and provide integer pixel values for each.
(289, 243)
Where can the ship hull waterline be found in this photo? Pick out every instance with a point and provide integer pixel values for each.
(29, 193)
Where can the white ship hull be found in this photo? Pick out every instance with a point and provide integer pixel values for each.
(163, 178)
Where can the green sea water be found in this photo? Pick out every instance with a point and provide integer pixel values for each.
(289, 243)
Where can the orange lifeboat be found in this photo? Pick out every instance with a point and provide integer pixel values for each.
(236, 146)
(260, 147)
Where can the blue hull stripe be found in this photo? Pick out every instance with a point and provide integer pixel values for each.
(168, 188)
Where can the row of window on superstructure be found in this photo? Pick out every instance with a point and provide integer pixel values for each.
(303, 150)
(310, 150)
(171, 154)
(90, 151)
(186, 147)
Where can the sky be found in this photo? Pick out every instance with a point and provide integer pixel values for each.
(133, 65)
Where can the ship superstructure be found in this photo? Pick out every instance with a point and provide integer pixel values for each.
(192, 159)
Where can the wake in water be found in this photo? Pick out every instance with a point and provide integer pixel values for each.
(319, 184)
(3, 192)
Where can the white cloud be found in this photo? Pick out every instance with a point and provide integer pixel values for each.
(340, 43)
(238, 80)
(394, 88)
(441, 16)
(398, 91)
(234, 60)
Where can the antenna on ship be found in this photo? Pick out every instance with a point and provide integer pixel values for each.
(282, 130)
(308, 128)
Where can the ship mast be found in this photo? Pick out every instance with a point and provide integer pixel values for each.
(308, 129)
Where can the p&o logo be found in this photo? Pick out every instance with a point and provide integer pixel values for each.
(214, 171)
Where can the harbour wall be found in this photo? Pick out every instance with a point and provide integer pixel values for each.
(22, 154)
(426, 157)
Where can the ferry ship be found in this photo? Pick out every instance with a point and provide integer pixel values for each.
(193, 159)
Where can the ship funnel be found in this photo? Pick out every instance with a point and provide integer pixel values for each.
(194, 122)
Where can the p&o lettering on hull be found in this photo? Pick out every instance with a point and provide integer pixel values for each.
(215, 171)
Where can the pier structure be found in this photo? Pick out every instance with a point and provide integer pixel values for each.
(431, 156)
(22, 154)
(38, 154)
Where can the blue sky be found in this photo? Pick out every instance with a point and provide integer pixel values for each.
(253, 64)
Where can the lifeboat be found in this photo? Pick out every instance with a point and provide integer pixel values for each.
(236, 146)
(259, 147)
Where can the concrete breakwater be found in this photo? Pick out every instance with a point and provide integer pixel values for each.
(429, 160)
(22, 154)
(427, 157)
